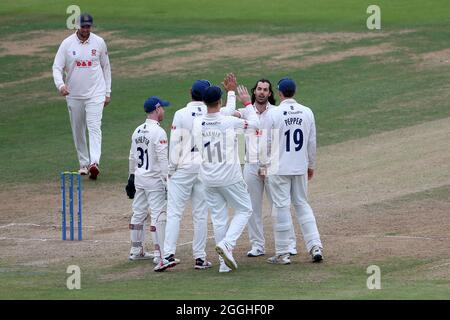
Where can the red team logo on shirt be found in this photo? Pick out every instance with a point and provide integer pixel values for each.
(83, 63)
(163, 141)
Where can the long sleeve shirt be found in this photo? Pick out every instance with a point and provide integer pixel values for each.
(291, 138)
(183, 153)
(216, 136)
(85, 66)
(148, 154)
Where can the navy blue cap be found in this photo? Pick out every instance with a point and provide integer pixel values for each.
(286, 85)
(212, 94)
(86, 20)
(154, 102)
(199, 87)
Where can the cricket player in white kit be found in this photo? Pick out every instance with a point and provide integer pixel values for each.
(184, 182)
(149, 165)
(292, 147)
(83, 58)
(221, 171)
(263, 101)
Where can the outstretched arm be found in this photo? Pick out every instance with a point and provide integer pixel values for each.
(251, 116)
(230, 84)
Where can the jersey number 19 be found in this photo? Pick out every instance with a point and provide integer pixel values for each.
(297, 137)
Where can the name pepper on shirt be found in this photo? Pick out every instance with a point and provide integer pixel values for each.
(291, 121)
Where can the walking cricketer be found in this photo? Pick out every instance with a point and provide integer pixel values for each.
(292, 146)
(83, 57)
(184, 182)
(255, 142)
(220, 171)
(148, 166)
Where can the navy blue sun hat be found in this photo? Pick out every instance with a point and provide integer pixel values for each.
(287, 86)
(212, 94)
(198, 89)
(154, 102)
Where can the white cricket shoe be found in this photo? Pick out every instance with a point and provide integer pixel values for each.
(223, 267)
(226, 254)
(316, 254)
(293, 251)
(280, 259)
(141, 256)
(255, 252)
(165, 263)
(83, 171)
(201, 264)
(157, 260)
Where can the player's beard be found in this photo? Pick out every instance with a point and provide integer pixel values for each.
(84, 35)
(262, 100)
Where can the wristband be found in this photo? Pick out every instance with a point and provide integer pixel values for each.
(247, 104)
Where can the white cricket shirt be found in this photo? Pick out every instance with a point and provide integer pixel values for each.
(255, 140)
(292, 141)
(85, 65)
(183, 154)
(148, 154)
(216, 135)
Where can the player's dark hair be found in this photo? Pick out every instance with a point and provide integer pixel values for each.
(289, 93)
(196, 97)
(213, 104)
(271, 97)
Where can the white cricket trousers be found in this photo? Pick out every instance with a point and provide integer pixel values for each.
(156, 201)
(181, 187)
(256, 186)
(286, 190)
(219, 199)
(87, 113)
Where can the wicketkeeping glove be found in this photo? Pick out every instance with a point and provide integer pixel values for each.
(130, 189)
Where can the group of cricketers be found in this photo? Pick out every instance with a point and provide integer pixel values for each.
(201, 161)
(201, 164)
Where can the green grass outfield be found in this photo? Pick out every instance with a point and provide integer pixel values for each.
(336, 91)
(351, 98)
(253, 281)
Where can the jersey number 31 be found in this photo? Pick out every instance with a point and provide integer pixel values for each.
(141, 158)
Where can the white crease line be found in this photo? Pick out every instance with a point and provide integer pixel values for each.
(19, 224)
(190, 242)
(395, 237)
(53, 239)
(57, 226)
(35, 225)
(87, 240)
(440, 265)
